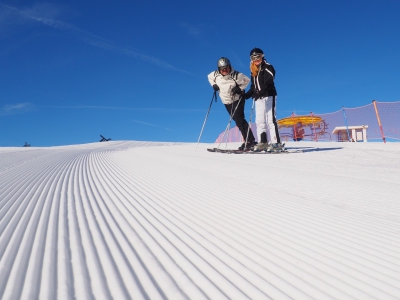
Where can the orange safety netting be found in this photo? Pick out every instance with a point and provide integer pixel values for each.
(320, 127)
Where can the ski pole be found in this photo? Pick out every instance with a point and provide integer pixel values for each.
(251, 116)
(205, 120)
(229, 123)
(227, 128)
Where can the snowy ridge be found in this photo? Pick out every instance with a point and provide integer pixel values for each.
(142, 220)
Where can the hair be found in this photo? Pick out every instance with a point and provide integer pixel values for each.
(254, 68)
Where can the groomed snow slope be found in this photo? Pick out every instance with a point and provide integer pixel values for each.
(141, 220)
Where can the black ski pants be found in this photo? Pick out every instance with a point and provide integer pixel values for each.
(237, 110)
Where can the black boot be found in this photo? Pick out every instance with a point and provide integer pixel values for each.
(263, 137)
(247, 146)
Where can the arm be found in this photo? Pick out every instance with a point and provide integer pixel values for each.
(211, 78)
(242, 81)
(268, 79)
(250, 92)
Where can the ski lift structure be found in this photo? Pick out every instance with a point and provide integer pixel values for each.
(298, 124)
(103, 139)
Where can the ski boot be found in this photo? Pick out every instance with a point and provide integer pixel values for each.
(260, 147)
(247, 146)
(276, 147)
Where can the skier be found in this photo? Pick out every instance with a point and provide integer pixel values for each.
(263, 91)
(231, 84)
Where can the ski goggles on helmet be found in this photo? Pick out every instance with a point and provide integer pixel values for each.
(256, 57)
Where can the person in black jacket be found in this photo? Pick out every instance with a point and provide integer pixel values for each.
(263, 91)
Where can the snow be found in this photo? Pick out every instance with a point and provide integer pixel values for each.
(147, 220)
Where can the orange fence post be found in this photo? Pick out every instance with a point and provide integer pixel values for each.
(379, 121)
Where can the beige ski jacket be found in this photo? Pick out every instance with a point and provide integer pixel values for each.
(227, 82)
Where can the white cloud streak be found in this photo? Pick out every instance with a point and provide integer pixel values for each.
(14, 109)
(196, 32)
(42, 14)
(150, 124)
(155, 109)
(192, 30)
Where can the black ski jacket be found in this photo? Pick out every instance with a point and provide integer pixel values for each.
(263, 82)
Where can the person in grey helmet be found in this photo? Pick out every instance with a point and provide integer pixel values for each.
(231, 84)
(263, 91)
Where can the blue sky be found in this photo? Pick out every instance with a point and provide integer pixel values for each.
(137, 70)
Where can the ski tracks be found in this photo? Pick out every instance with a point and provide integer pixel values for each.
(140, 220)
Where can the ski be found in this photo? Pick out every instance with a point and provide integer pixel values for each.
(225, 150)
(233, 151)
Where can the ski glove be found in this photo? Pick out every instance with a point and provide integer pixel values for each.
(256, 95)
(236, 90)
(216, 87)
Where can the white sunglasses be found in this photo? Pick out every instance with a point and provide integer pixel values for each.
(255, 57)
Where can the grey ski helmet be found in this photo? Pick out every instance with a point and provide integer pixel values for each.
(223, 62)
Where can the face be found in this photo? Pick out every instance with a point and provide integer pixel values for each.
(256, 59)
(225, 70)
